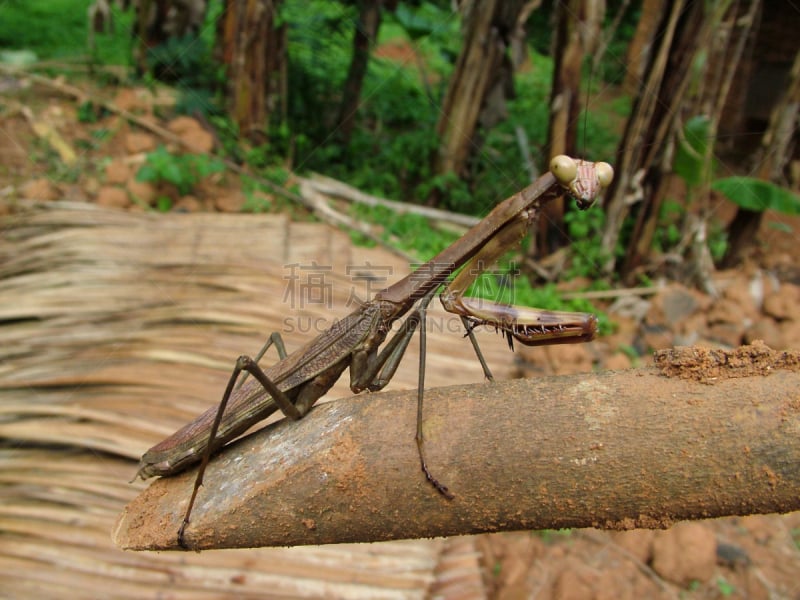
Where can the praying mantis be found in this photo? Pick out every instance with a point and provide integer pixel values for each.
(298, 380)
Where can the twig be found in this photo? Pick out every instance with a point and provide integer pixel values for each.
(331, 215)
(613, 450)
(339, 189)
(524, 149)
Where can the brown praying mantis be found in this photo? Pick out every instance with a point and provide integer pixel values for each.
(297, 381)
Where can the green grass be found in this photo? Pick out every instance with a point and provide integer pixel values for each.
(57, 30)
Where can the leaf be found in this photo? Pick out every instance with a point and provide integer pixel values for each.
(758, 195)
(146, 173)
(173, 174)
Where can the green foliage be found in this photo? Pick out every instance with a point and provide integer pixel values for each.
(260, 198)
(433, 29)
(256, 204)
(409, 232)
(747, 192)
(163, 204)
(390, 150)
(319, 49)
(184, 171)
(668, 234)
(497, 171)
(584, 228)
(612, 67)
(598, 130)
(56, 29)
(717, 241)
(186, 63)
(419, 21)
(452, 189)
(102, 134)
(758, 195)
(86, 113)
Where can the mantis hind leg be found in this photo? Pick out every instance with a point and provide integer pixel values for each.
(274, 339)
(248, 365)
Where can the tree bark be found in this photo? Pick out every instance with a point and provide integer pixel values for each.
(578, 24)
(613, 450)
(253, 49)
(365, 34)
(648, 127)
(482, 62)
(641, 48)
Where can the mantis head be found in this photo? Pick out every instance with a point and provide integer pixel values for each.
(583, 180)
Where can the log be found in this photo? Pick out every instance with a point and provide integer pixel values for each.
(612, 450)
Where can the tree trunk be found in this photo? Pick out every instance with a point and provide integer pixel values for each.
(253, 49)
(365, 34)
(640, 157)
(640, 50)
(770, 160)
(578, 24)
(721, 35)
(480, 67)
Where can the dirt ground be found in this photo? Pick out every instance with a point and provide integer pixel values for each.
(47, 153)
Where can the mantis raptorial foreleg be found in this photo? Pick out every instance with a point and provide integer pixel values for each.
(529, 326)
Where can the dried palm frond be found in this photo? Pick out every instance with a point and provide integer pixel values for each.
(117, 328)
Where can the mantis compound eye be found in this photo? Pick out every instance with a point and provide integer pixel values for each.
(605, 174)
(564, 168)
